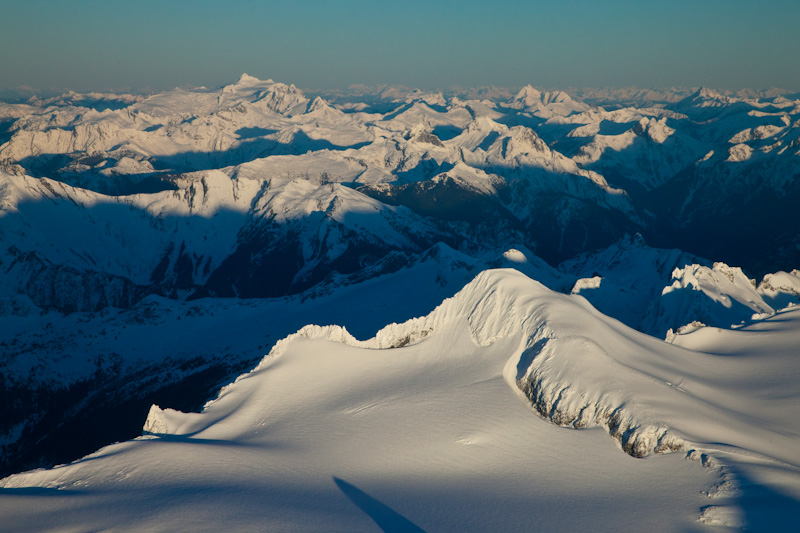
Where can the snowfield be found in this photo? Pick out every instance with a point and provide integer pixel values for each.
(449, 422)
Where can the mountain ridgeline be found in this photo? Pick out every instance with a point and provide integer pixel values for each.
(255, 190)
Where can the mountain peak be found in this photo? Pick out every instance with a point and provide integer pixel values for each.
(705, 97)
(318, 103)
(246, 83)
(557, 97)
(527, 91)
(484, 123)
(528, 96)
(246, 79)
(705, 92)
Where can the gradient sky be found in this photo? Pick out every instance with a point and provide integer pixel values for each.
(114, 44)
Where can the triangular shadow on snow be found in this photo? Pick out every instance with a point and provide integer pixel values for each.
(384, 516)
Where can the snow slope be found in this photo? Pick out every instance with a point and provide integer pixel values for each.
(430, 422)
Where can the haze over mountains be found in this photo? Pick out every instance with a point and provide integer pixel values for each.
(154, 248)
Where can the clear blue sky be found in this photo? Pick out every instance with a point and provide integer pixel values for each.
(114, 44)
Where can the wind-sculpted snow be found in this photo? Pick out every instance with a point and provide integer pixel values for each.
(447, 392)
(577, 367)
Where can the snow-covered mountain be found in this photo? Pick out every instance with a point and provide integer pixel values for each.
(390, 422)
(626, 280)
(576, 177)
(154, 248)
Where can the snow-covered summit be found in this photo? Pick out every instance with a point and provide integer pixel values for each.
(546, 104)
(528, 96)
(246, 80)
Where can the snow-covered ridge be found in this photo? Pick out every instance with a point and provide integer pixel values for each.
(576, 367)
(579, 369)
(503, 335)
(439, 392)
